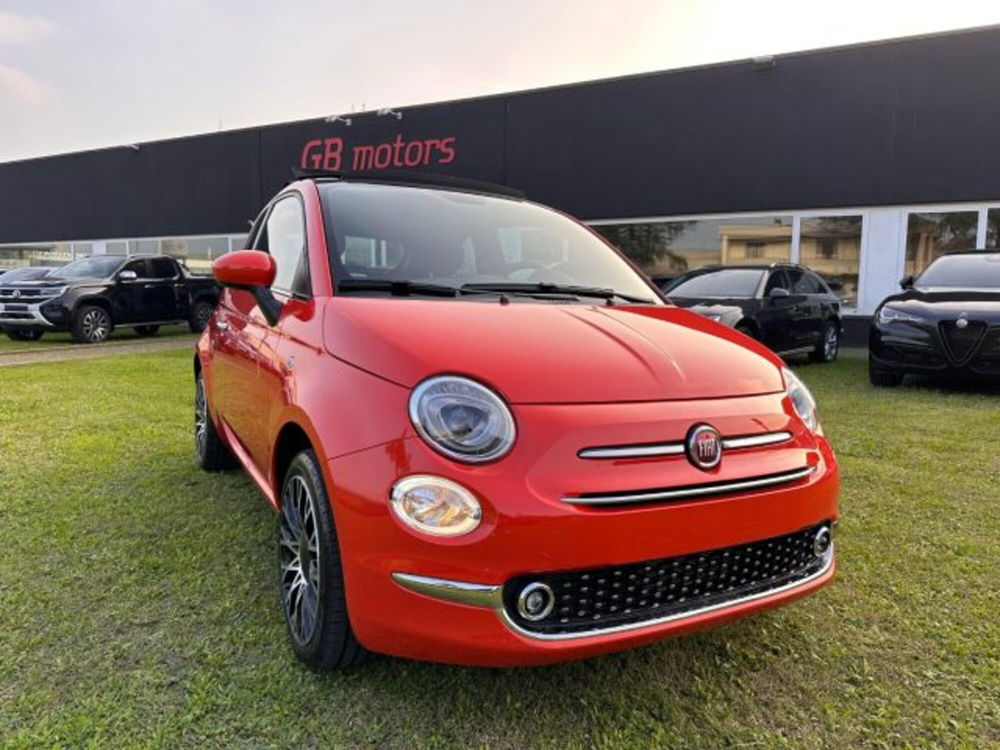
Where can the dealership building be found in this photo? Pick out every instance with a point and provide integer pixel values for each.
(863, 162)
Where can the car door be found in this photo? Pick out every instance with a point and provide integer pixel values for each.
(775, 319)
(127, 292)
(160, 298)
(807, 317)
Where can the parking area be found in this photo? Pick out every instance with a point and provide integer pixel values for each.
(140, 607)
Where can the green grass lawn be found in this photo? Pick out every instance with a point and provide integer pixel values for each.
(139, 604)
(120, 335)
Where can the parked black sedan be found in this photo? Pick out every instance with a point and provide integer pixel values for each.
(944, 322)
(786, 306)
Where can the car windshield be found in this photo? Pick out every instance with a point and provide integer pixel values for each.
(979, 271)
(726, 282)
(394, 238)
(94, 267)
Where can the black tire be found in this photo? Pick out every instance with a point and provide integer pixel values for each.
(92, 324)
(747, 330)
(146, 330)
(209, 449)
(18, 334)
(829, 346)
(311, 575)
(201, 313)
(883, 377)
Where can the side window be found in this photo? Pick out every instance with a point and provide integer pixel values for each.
(284, 237)
(139, 267)
(777, 280)
(163, 268)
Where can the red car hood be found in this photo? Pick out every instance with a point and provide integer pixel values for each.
(551, 353)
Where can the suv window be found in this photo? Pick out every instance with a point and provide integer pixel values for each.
(284, 237)
(803, 282)
(162, 268)
(777, 280)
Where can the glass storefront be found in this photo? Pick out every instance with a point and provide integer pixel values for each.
(831, 246)
(668, 248)
(930, 235)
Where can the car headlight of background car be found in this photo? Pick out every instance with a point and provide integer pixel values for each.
(888, 315)
(802, 400)
(462, 419)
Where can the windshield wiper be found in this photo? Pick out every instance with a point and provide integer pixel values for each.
(543, 287)
(398, 288)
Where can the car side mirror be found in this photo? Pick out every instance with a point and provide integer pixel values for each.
(778, 293)
(252, 271)
(128, 276)
(906, 282)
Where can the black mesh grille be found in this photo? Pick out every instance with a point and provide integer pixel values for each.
(961, 342)
(628, 594)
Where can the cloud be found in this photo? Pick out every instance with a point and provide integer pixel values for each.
(24, 88)
(18, 29)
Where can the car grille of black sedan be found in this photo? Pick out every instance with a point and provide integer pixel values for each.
(591, 601)
(960, 343)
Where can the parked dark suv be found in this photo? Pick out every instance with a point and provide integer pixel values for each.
(90, 296)
(786, 306)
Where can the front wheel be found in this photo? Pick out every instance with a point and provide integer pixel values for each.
(828, 348)
(17, 334)
(201, 313)
(91, 325)
(883, 377)
(312, 580)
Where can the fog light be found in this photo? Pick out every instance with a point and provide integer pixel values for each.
(822, 541)
(535, 601)
(435, 505)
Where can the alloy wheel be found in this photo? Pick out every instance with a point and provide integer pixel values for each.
(200, 417)
(96, 325)
(831, 343)
(299, 556)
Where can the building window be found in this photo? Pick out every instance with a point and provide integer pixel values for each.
(931, 235)
(831, 246)
(669, 248)
(197, 253)
(993, 228)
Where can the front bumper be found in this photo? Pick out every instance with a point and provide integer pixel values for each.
(919, 349)
(47, 315)
(442, 599)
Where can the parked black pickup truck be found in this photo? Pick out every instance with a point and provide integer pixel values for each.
(90, 296)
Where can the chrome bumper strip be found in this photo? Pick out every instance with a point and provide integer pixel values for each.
(697, 490)
(36, 319)
(460, 592)
(677, 448)
(491, 597)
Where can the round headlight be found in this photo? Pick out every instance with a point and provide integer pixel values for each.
(435, 505)
(802, 400)
(462, 419)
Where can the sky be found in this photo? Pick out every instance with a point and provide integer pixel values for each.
(79, 74)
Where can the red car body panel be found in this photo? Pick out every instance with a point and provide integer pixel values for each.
(341, 370)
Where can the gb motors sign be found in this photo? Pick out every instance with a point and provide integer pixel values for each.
(336, 154)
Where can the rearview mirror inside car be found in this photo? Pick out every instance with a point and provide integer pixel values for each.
(252, 271)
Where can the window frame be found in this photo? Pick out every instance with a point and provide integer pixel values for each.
(259, 232)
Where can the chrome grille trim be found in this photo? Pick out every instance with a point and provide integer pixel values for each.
(677, 448)
(698, 490)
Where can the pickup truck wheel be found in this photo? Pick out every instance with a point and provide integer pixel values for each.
(201, 313)
(91, 325)
(212, 454)
(146, 330)
(312, 581)
(16, 334)
(828, 348)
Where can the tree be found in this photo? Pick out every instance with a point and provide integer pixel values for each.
(648, 244)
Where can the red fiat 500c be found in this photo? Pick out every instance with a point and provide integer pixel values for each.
(492, 441)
